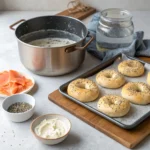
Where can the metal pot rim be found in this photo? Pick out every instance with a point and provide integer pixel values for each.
(62, 30)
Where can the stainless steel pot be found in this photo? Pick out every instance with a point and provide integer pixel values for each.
(51, 61)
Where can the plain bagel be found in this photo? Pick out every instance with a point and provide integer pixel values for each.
(84, 90)
(148, 78)
(110, 79)
(131, 68)
(136, 92)
(113, 105)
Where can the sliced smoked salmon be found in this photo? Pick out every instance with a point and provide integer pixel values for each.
(16, 77)
(5, 90)
(4, 78)
(12, 82)
(13, 87)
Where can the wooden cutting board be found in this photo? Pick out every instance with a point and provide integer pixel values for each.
(78, 15)
(128, 138)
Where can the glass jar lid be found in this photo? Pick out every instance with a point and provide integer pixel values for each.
(116, 14)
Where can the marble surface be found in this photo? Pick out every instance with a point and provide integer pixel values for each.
(17, 136)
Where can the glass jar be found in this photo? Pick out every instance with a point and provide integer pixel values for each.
(115, 29)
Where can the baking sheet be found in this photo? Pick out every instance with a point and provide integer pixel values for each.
(137, 111)
(136, 114)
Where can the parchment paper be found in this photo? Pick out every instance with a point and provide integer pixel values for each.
(137, 111)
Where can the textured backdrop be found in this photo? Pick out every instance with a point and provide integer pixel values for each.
(61, 4)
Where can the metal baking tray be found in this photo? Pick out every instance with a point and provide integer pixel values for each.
(118, 121)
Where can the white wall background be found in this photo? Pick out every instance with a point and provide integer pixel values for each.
(34, 5)
(127, 4)
(1, 4)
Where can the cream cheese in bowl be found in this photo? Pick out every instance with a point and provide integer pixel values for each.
(50, 128)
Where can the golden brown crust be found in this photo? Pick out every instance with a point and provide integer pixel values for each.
(110, 79)
(84, 90)
(148, 78)
(136, 92)
(131, 68)
(113, 105)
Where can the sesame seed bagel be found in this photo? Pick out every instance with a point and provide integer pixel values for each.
(136, 92)
(84, 90)
(113, 105)
(148, 78)
(110, 79)
(131, 68)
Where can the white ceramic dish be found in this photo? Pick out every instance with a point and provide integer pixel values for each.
(38, 120)
(27, 90)
(18, 117)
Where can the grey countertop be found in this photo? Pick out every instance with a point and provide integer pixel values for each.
(17, 136)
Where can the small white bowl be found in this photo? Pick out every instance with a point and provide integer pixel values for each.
(18, 117)
(38, 120)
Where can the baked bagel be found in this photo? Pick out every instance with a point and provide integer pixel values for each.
(131, 68)
(84, 90)
(113, 105)
(110, 79)
(136, 92)
(148, 78)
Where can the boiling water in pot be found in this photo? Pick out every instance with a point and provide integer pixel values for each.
(50, 38)
(52, 42)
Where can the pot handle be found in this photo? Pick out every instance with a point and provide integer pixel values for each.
(12, 26)
(71, 49)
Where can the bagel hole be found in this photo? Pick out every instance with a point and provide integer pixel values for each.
(109, 102)
(82, 86)
(108, 76)
(130, 64)
(137, 90)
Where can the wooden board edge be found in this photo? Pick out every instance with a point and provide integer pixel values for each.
(78, 14)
